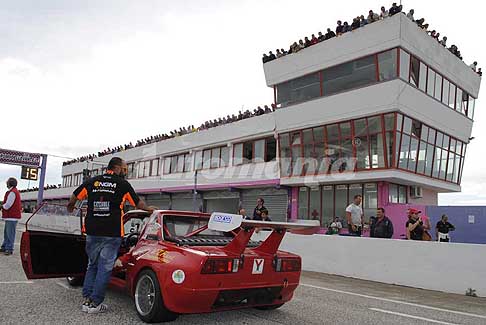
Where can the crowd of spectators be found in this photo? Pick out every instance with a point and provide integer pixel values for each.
(176, 133)
(358, 22)
(35, 189)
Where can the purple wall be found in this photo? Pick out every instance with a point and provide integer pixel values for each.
(465, 232)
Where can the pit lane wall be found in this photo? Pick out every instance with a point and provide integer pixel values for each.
(447, 267)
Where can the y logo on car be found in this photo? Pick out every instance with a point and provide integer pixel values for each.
(258, 266)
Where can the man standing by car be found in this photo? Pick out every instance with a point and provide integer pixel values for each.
(106, 195)
(11, 213)
(354, 216)
(381, 226)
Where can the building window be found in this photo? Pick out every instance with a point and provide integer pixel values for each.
(261, 150)
(397, 193)
(148, 168)
(67, 181)
(415, 69)
(285, 155)
(198, 160)
(212, 158)
(387, 65)
(131, 171)
(349, 75)
(404, 65)
(176, 164)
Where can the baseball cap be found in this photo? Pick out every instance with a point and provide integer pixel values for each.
(412, 210)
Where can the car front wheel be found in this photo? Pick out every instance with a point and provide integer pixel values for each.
(148, 299)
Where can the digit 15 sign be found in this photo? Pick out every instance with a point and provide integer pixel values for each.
(30, 173)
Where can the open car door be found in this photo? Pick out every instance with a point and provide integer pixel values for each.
(52, 245)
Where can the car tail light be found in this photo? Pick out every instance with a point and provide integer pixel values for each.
(287, 264)
(221, 265)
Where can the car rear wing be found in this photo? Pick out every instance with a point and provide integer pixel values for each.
(231, 222)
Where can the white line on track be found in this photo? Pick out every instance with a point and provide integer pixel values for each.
(411, 316)
(396, 301)
(16, 282)
(65, 286)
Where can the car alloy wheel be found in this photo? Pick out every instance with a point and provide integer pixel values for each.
(145, 295)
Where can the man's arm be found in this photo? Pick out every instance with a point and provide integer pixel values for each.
(348, 217)
(10, 201)
(390, 229)
(72, 203)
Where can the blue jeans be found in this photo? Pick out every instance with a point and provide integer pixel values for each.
(9, 236)
(102, 253)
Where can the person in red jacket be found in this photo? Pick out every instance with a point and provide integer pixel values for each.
(11, 213)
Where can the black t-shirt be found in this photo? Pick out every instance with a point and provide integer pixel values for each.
(106, 196)
(417, 233)
(444, 227)
(258, 216)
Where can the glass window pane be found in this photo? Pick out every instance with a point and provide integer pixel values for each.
(345, 130)
(452, 95)
(319, 134)
(423, 76)
(431, 82)
(374, 124)
(470, 107)
(393, 193)
(445, 92)
(424, 133)
(404, 152)
(404, 65)
(315, 203)
(187, 162)
(465, 100)
(303, 203)
(270, 149)
(155, 167)
(387, 63)
(445, 144)
(429, 163)
(296, 161)
(407, 125)
(389, 122)
(458, 99)
(198, 160)
(389, 147)
(399, 122)
(450, 167)
(397, 148)
(327, 205)
(412, 161)
(402, 194)
(295, 139)
(422, 158)
(457, 165)
(224, 156)
(362, 152)
(416, 128)
(321, 163)
(432, 133)
(180, 163)
(259, 154)
(349, 75)
(206, 159)
(310, 166)
(247, 152)
(370, 200)
(167, 161)
(285, 156)
(304, 88)
(332, 132)
(141, 166)
(284, 94)
(415, 70)
(215, 156)
(377, 154)
(438, 87)
(173, 164)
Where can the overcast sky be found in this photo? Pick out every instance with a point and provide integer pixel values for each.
(78, 76)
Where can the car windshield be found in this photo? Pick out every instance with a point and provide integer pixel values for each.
(181, 226)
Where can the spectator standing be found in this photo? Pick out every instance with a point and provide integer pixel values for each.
(264, 60)
(320, 37)
(381, 226)
(474, 66)
(271, 56)
(443, 42)
(11, 214)
(410, 15)
(442, 229)
(314, 40)
(257, 212)
(106, 195)
(362, 21)
(339, 28)
(355, 24)
(354, 216)
(415, 226)
(330, 34)
(346, 27)
(307, 42)
(372, 17)
(480, 73)
(384, 13)
(242, 212)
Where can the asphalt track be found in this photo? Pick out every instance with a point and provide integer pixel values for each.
(321, 299)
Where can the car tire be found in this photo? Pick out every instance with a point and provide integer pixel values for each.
(271, 307)
(148, 299)
(75, 281)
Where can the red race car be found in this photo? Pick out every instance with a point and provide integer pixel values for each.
(175, 262)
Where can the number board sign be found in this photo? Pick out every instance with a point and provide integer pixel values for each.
(29, 173)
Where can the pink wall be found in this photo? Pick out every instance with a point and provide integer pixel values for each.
(429, 197)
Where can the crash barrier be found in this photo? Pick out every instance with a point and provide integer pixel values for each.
(447, 267)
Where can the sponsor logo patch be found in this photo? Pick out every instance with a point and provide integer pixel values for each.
(258, 266)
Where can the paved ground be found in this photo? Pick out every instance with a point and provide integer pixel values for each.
(321, 299)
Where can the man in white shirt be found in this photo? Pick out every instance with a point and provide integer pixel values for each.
(11, 214)
(354, 216)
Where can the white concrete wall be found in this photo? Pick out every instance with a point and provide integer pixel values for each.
(429, 265)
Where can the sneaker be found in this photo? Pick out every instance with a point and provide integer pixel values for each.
(101, 308)
(7, 253)
(85, 305)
